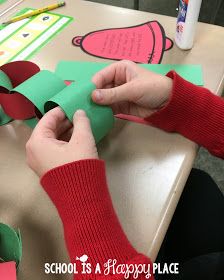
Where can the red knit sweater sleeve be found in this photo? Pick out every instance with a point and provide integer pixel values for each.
(91, 227)
(195, 113)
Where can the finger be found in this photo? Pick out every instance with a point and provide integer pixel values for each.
(126, 92)
(82, 128)
(115, 73)
(51, 124)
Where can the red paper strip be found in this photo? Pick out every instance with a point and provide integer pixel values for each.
(19, 71)
(8, 271)
(14, 104)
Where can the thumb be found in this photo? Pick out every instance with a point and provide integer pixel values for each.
(82, 129)
(125, 92)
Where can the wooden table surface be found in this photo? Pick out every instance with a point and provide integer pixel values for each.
(147, 168)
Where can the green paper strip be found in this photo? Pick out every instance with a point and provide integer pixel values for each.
(78, 96)
(4, 119)
(31, 122)
(5, 81)
(78, 70)
(40, 88)
(10, 244)
(46, 90)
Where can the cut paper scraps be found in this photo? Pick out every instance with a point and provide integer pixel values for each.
(143, 43)
(10, 245)
(20, 40)
(8, 271)
(26, 92)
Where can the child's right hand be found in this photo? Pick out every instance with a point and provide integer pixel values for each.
(130, 89)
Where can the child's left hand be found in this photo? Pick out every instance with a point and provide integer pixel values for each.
(54, 142)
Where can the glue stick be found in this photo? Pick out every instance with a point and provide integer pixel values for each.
(186, 23)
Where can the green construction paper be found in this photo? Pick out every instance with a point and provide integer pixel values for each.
(2, 1)
(5, 81)
(4, 119)
(79, 70)
(191, 73)
(40, 88)
(6, 84)
(46, 90)
(31, 122)
(10, 244)
(78, 96)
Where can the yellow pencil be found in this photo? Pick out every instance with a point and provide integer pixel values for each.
(35, 12)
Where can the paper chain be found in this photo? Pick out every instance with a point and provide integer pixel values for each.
(26, 92)
(10, 244)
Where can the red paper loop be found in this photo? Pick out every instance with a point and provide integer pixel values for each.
(14, 104)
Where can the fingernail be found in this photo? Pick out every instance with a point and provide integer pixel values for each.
(80, 113)
(98, 95)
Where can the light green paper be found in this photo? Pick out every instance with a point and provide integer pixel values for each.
(78, 96)
(46, 91)
(5, 81)
(2, 1)
(31, 122)
(4, 119)
(10, 244)
(79, 70)
(40, 88)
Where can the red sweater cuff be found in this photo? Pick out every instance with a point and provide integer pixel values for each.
(195, 113)
(80, 193)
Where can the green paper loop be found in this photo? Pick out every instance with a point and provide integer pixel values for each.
(10, 244)
(78, 96)
(31, 122)
(41, 87)
(5, 81)
(46, 91)
(4, 119)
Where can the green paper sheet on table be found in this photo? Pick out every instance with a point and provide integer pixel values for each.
(10, 244)
(77, 70)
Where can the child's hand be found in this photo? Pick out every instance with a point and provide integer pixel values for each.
(130, 89)
(54, 142)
